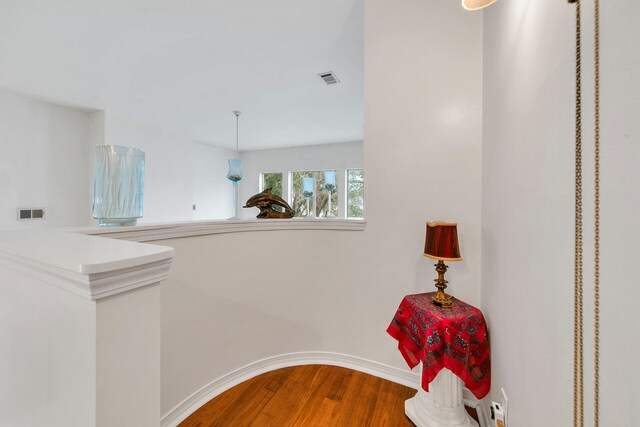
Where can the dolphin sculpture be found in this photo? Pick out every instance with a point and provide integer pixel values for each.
(265, 201)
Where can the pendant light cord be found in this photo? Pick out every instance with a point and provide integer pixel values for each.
(237, 130)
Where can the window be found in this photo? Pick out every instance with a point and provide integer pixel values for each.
(355, 193)
(272, 180)
(319, 202)
(346, 197)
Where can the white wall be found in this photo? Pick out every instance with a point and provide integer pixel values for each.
(233, 299)
(179, 172)
(43, 163)
(40, 326)
(528, 207)
(80, 330)
(212, 191)
(127, 360)
(347, 155)
(46, 162)
(423, 140)
(168, 179)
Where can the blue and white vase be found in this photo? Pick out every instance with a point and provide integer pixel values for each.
(118, 185)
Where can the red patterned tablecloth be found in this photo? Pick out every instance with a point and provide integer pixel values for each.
(455, 338)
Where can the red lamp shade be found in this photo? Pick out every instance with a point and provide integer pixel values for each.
(441, 242)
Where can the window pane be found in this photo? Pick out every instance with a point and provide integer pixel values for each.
(355, 193)
(274, 181)
(320, 197)
(299, 203)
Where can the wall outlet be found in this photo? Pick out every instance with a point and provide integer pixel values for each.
(497, 414)
(505, 406)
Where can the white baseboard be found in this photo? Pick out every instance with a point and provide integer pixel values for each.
(225, 382)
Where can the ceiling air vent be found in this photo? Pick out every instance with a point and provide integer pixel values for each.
(329, 78)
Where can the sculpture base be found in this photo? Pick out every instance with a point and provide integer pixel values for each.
(117, 222)
(442, 406)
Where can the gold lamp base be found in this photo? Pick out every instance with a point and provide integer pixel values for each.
(440, 298)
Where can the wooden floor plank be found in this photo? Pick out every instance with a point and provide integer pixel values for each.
(288, 398)
(390, 403)
(277, 378)
(339, 385)
(246, 409)
(205, 416)
(307, 396)
(359, 400)
(229, 406)
(314, 405)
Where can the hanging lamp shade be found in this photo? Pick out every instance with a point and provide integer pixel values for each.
(477, 4)
(235, 165)
(308, 187)
(235, 171)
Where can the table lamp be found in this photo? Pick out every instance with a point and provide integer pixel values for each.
(441, 243)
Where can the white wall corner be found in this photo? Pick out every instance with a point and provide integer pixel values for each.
(96, 128)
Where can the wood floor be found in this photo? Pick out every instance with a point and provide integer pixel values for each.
(308, 396)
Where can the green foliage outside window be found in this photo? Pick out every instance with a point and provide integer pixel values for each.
(299, 203)
(355, 193)
(274, 181)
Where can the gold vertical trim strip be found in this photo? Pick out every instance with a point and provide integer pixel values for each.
(596, 260)
(578, 360)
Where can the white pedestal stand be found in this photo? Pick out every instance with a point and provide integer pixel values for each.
(440, 407)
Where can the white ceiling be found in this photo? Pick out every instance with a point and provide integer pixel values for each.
(186, 65)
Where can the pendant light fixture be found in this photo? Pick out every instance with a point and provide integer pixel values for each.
(477, 4)
(235, 170)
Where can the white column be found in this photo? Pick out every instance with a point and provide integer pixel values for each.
(128, 358)
(82, 320)
(442, 406)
